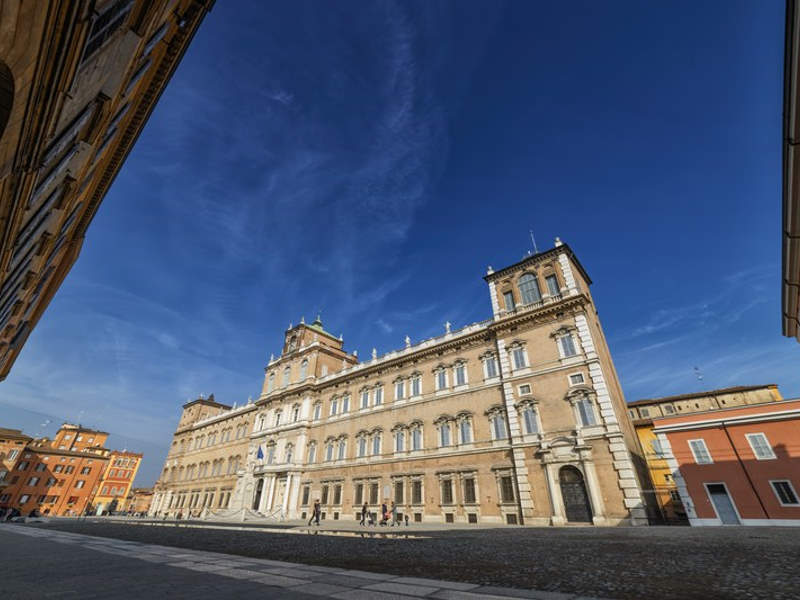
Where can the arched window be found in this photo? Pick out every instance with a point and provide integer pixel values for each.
(295, 413)
(334, 405)
(271, 453)
(378, 395)
(304, 369)
(416, 384)
(278, 416)
(312, 452)
(489, 366)
(529, 289)
(365, 398)
(465, 429)
(460, 373)
(329, 450)
(416, 435)
(586, 411)
(317, 411)
(342, 449)
(399, 440)
(289, 452)
(362, 445)
(271, 382)
(399, 389)
(376, 443)
(441, 378)
(292, 343)
(497, 420)
(286, 374)
(444, 433)
(345, 403)
(529, 419)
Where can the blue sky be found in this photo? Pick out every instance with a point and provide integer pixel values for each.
(371, 159)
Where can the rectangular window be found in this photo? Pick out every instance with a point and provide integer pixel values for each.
(13, 454)
(491, 367)
(324, 494)
(306, 493)
(525, 389)
(345, 404)
(362, 446)
(337, 494)
(519, 358)
(22, 466)
(24, 498)
(447, 491)
(80, 483)
(760, 445)
(529, 416)
(416, 438)
(444, 435)
(398, 492)
(508, 297)
(785, 493)
(376, 445)
(441, 379)
(359, 495)
(658, 449)
(399, 390)
(399, 441)
(552, 285)
(576, 379)
(416, 492)
(700, 452)
(317, 411)
(334, 404)
(668, 409)
(461, 374)
(33, 481)
(378, 395)
(506, 489)
(40, 467)
(86, 470)
(469, 490)
(568, 346)
(373, 493)
(586, 412)
(416, 386)
(365, 399)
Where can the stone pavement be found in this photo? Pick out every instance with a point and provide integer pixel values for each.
(57, 564)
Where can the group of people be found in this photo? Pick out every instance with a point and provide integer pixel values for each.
(388, 515)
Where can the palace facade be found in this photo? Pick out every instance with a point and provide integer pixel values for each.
(519, 419)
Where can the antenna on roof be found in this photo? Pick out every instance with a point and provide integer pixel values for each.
(533, 240)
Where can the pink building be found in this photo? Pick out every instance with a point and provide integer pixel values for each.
(736, 466)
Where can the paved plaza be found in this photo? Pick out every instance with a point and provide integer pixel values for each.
(559, 563)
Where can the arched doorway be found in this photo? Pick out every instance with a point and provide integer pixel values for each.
(257, 497)
(573, 491)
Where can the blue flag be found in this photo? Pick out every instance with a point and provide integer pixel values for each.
(260, 454)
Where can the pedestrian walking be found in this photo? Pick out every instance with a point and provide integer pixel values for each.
(394, 515)
(384, 514)
(315, 512)
(364, 513)
(406, 518)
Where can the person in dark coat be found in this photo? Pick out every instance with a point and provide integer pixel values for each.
(364, 512)
(315, 512)
(384, 514)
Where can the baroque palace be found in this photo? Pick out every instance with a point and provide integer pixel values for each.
(519, 419)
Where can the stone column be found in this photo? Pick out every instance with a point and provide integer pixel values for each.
(556, 501)
(593, 488)
(271, 492)
(286, 491)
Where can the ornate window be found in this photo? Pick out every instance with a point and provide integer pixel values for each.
(443, 424)
(508, 298)
(399, 389)
(489, 366)
(286, 373)
(552, 285)
(378, 395)
(317, 411)
(497, 421)
(329, 450)
(289, 452)
(581, 399)
(528, 416)
(361, 444)
(519, 358)
(399, 438)
(460, 373)
(312, 452)
(278, 415)
(365, 398)
(292, 343)
(334, 405)
(529, 289)
(465, 428)
(271, 453)
(345, 403)
(295, 413)
(304, 369)
(341, 449)
(271, 382)
(416, 385)
(565, 339)
(376, 443)
(415, 431)
(441, 378)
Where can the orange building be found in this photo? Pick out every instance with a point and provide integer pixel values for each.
(736, 466)
(53, 481)
(12, 444)
(117, 481)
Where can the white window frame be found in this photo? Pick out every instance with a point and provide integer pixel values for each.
(587, 401)
(399, 389)
(762, 435)
(345, 404)
(463, 366)
(365, 399)
(317, 411)
(334, 406)
(441, 373)
(378, 399)
(399, 441)
(491, 359)
(535, 415)
(581, 382)
(416, 434)
(415, 387)
(521, 392)
(524, 353)
(442, 427)
(363, 444)
(788, 482)
(312, 453)
(710, 460)
(375, 444)
(461, 423)
(493, 425)
(561, 350)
